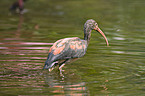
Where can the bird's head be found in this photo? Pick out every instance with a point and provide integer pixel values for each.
(92, 25)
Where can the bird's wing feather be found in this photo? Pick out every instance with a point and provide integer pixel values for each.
(68, 48)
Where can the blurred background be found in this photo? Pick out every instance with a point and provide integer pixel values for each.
(28, 31)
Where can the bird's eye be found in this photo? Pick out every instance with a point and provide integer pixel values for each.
(96, 24)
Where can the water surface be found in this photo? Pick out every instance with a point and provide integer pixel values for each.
(117, 70)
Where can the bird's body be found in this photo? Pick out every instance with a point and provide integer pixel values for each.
(67, 49)
(17, 6)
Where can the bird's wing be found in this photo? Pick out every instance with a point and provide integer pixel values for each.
(77, 48)
(68, 48)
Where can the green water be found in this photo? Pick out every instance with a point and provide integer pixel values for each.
(118, 70)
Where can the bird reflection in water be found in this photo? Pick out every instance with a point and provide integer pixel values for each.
(21, 20)
(68, 85)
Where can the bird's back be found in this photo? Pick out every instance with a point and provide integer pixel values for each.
(67, 48)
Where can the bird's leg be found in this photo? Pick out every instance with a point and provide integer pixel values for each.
(51, 69)
(52, 66)
(62, 65)
(60, 68)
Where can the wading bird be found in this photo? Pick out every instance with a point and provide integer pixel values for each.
(68, 49)
(17, 6)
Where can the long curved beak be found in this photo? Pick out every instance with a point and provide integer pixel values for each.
(99, 30)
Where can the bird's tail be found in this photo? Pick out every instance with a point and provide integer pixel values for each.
(49, 65)
(46, 66)
(50, 62)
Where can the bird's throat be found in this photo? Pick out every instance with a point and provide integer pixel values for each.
(87, 35)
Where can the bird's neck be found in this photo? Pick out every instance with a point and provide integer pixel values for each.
(21, 3)
(87, 34)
